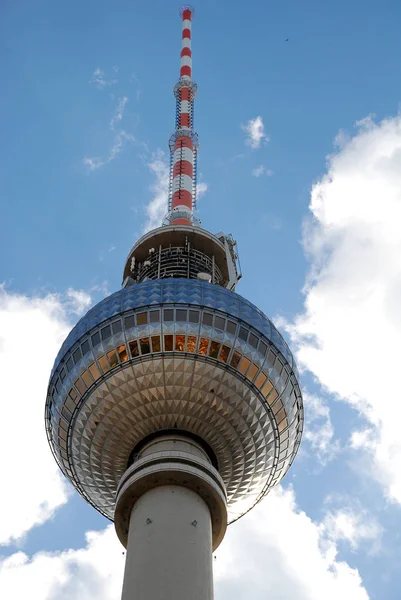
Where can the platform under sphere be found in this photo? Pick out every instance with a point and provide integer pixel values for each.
(175, 354)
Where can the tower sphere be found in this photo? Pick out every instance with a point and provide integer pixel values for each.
(175, 354)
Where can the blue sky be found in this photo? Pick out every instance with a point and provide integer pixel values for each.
(86, 111)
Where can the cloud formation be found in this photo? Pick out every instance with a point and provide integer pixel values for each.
(120, 137)
(31, 332)
(99, 79)
(255, 132)
(349, 333)
(262, 170)
(276, 551)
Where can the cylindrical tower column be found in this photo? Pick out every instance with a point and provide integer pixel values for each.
(170, 515)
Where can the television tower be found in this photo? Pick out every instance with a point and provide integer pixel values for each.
(174, 404)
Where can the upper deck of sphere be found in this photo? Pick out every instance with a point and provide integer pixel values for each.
(175, 354)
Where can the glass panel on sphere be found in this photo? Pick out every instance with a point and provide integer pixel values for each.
(180, 343)
(70, 364)
(278, 366)
(129, 322)
(219, 322)
(154, 316)
(253, 369)
(224, 353)
(244, 364)
(271, 357)
(145, 345)
(193, 316)
(94, 371)
(73, 394)
(85, 347)
(104, 364)
(156, 343)
(278, 406)
(180, 314)
(116, 326)
(207, 319)
(168, 343)
(243, 334)
(262, 348)
(62, 375)
(87, 378)
(122, 353)
(142, 318)
(79, 384)
(267, 388)
(70, 405)
(273, 397)
(105, 332)
(203, 346)
(282, 425)
(77, 355)
(253, 340)
(231, 327)
(214, 349)
(112, 358)
(168, 314)
(260, 380)
(280, 416)
(236, 357)
(191, 343)
(133, 346)
(66, 413)
(95, 339)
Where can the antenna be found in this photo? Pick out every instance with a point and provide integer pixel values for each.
(184, 141)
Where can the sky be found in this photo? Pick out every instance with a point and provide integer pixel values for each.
(298, 115)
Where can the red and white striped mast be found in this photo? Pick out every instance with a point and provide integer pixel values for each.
(184, 141)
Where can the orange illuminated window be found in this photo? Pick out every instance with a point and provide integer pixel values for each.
(273, 396)
(87, 378)
(214, 349)
(133, 346)
(168, 343)
(73, 394)
(260, 380)
(112, 356)
(224, 353)
(104, 364)
(244, 364)
(94, 371)
(191, 343)
(203, 346)
(180, 343)
(267, 388)
(79, 384)
(253, 369)
(277, 407)
(142, 318)
(235, 359)
(282, 425)
(122, 353)
(156, 343)
(145, 345)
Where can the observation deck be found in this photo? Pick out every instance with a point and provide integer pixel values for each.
(175, 354)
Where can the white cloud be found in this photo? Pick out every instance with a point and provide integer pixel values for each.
(255, 131)
(349, 333)
(262, 170)
(80, 301)
(120, 137)
(99, 79)
(31, 332)
(201, 189)
(354, 526)
(95, 571)
(276, 551)
(157, 208)
(319, 431)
